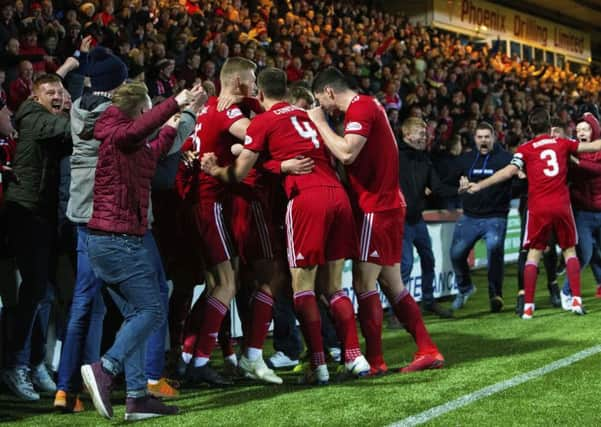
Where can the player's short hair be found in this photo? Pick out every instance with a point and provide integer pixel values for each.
(539, 121)
(272, 82)
(45, 79)
(298, 92)
(557, 123)
(412, 123)
(330, 77)
(485, 126)
(235, 65)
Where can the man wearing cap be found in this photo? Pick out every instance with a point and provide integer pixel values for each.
(585, 194)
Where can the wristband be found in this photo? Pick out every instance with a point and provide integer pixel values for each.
(76, 54)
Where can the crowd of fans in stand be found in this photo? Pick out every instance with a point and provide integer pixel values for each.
(415, 71)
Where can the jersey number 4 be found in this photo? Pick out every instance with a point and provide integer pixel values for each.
(550, 157)
(305, 130)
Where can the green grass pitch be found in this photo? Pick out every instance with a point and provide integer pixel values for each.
(481, 349)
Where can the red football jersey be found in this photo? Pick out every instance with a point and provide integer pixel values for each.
(211, 135)
(374, 175)
(545, 160)
(286, 132)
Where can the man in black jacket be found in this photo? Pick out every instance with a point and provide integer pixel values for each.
(418, 176)
(31, 206)
(484, 217)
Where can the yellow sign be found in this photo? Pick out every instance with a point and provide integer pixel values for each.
(491, 21)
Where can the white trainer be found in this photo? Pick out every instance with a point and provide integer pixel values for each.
(280, 361)
(258, 370)
(577, 307)
(317, 376)
(566, 301)
(358, 367)
(528, 311)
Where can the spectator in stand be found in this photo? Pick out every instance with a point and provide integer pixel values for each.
(7, 152)
(188, 74)
(8, 25)
(21, 88)
(163, 83)
(40, 60)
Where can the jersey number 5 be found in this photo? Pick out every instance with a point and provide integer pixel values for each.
(552, 168)
(305, 130)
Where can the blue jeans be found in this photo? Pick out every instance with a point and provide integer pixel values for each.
(417, 235)
(588, 225)
(155, 347)
(81, 344)
(125, 263)
(468, 231)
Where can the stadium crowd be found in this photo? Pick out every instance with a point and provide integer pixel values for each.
(121, 133)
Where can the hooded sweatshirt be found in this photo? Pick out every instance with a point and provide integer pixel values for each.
(585, 178)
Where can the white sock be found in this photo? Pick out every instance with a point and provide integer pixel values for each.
(254, 353)
(233, 359)
(200, 361)
(153, 382)
(186, 357)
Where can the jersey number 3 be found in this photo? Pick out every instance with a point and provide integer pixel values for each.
(550, 157)
(305, 130)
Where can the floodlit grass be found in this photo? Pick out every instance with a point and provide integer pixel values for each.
(480, 348)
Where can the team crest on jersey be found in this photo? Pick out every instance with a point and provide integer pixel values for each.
(353, 126)
(233, 113)
(248, 140)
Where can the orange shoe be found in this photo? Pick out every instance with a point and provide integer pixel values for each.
(421, 362)
(164, 388)
(68, 402)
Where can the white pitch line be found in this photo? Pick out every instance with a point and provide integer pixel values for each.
(437, 411)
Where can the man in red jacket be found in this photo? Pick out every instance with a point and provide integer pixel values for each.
(585, 194)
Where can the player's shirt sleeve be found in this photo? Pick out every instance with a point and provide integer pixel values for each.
(231, 116)
(358, 120)
(572, 145)
(518, 159)
(256, 136)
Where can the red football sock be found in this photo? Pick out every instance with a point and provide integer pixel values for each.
(408, 313)
(573, 273)
(371, 317)
(225, 336)
(209, 329)
(342, 311)
(192, 325)
(530, 275)
(262, 313)
(307, 312)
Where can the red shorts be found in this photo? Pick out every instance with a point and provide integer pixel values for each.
(381, 236)
(254, 234)
(319, 227)
(216, 241)
(539, 226)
